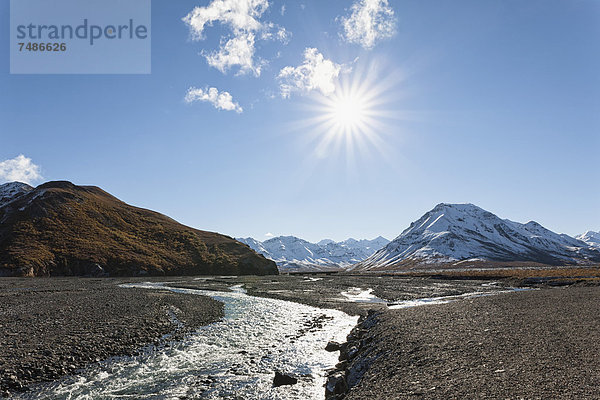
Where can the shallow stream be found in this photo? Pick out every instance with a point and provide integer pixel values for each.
(235, 358)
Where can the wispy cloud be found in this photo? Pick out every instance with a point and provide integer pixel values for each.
(315, 73)
(243, 18)
(20, 169)
(276, 32)
(220, 100)
(369, 22)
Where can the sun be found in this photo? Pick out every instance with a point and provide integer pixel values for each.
(351, 111)
(348, 111)
(353, 121)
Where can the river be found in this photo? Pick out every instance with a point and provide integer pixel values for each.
(235, 358)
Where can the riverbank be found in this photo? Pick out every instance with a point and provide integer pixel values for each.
(533, 345)
(51, 327)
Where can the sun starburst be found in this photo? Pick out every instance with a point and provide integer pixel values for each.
(353, 119)
(347, 111)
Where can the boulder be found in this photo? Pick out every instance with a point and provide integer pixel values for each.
(333, 346)
(336, 385)
(283, 379)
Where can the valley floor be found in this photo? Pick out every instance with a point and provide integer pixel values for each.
(533, 344)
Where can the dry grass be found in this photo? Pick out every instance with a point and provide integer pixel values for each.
(548, 273)
(63, 229)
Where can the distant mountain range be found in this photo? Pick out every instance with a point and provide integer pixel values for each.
(452, 234)
(293, 254)
(62, 229)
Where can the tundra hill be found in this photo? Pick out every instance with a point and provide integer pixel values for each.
(59, 228)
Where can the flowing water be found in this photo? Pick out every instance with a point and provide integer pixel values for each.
(235, 358)
(449, 299)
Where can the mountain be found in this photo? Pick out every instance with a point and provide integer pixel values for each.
(12, 190)
(591, 238)
(298, 255)
(451, 233)
(62, 229)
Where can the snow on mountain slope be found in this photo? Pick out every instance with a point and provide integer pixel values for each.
(295, 254)
(455, 232)
(11, 191)
(591, 238)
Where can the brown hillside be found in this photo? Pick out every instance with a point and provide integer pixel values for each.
(63, 229)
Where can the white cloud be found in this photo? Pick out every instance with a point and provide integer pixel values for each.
(238, 50)
(243, 18)
(220, 100)
(241, 15)
(315, 73)
(282, 12)
(20, 169)
(369, 22)
(269, 235)
(283, 35)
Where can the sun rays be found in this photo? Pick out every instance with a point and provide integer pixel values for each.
(352, 122)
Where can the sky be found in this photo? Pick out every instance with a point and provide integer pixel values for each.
(329, 119)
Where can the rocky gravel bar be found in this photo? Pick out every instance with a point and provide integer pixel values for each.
(51, 327)
(542, 344)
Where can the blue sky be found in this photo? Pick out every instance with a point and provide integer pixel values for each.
(489, 102)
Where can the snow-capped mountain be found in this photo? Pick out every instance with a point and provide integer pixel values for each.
(295, 254)
(12, 190)
(591, 238)
(454, 232)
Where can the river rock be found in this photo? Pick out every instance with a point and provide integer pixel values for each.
(333, 346)
(336, 386)
(283, 379)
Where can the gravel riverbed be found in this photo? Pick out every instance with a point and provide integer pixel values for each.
(51, 327)
(542, 344)
(535, 344)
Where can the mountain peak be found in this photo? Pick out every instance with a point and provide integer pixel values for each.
(591, 238)
(590, 233)
(283, 237)
(57, 185)
(14, 184)
(324, 242)
(12, 190)
(455, 232)
(456, 206)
